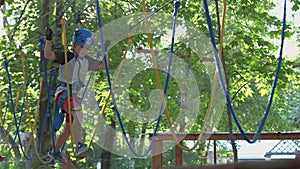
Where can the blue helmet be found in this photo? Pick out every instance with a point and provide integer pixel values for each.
(83, 37)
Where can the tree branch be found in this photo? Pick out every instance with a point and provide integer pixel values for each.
(19, 21)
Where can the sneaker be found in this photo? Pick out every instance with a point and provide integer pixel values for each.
(82, 150)
(58, 156)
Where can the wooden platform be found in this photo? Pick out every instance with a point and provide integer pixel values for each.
(276, 164)
(71, 164)
(160, 137)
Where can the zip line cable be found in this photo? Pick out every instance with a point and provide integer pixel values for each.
(223, 84)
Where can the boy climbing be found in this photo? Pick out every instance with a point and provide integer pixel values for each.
(79, 63)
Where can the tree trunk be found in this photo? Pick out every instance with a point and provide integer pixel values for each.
(43, 131)
(108, 144)
(229, 117)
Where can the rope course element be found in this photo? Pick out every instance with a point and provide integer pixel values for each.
(17, 123)
(223, 84)
(111, 89)
(163, 95)
(34, 124)
(48, 89)
(64, 42)
(28, 110)
(142, 20)
(129, 45)
(209, 109)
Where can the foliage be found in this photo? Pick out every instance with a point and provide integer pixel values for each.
(249, 55)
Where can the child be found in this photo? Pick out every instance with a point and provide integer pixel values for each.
(79, 63)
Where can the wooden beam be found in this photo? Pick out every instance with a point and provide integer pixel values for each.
(225, 136)
(141, 50)
(273, 164)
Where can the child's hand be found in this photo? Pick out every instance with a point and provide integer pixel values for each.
(48, 33)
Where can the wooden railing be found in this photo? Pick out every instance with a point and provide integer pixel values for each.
(157, 148)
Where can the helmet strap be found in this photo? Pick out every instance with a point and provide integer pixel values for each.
(74, 51)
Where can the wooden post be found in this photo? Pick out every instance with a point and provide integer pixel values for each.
(215, 152)
(70, 164)
(157, 154)
(179, 154)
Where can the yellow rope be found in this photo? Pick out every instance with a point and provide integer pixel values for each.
(157, 74)
(26, 97)
(130, 35)
(100, 118)
(208, 112)
(159, 84)
(34, 124)
(9, 126)
(64, 42)
(28, 111)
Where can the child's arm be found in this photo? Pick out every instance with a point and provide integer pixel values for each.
(49, 54)
(102, 64)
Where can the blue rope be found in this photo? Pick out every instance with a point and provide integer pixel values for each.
(223, 84)
(177, 4)
(17, 123)
(48, 108)
(53, 75)
(9, 96)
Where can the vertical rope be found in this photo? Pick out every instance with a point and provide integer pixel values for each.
(64, 42)
(130, 35)
(223, 84)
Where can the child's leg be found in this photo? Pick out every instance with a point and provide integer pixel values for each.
(77, 127)
(62, 138)
(77, 117)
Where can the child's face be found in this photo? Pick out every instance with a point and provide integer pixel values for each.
(82, 51)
